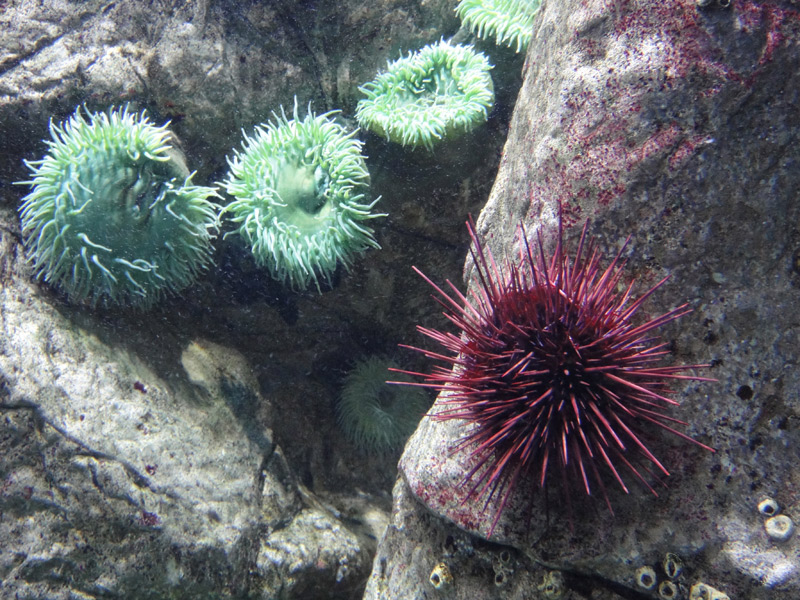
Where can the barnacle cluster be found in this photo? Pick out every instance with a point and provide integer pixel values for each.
(503, 567)
(779, 527)
(552, 586)
(669, 583)
(440, 91)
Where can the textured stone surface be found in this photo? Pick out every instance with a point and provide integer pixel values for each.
(211, 67)
(676, 125)
(137, 456)
(153, 477)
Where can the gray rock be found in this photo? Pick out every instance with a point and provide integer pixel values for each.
(137, 458)
(675, 124)
(213, 68)
(120, 480)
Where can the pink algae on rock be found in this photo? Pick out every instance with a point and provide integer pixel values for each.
(652, 77)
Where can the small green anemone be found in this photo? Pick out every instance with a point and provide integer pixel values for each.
(377, 416)
(510, 22)
(112, 215)
(300, 187)
(437, 92)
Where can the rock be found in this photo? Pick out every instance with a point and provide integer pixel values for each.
(212, 68)
(136, 455)
(672, 123)
(145, 477)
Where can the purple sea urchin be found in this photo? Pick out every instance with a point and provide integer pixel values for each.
(553, 373)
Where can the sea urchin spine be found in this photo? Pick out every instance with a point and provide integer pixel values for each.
(551, 371)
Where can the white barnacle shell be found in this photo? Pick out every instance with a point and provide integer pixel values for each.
(441, 577)
(646, 577)
(552, 586)
(769, 507)
(779, 528)
(703, 591)
(673, 565)
(668, 590)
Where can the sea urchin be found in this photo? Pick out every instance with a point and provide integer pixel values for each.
(553, 373)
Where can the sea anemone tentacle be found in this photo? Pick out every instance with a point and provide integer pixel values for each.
(299, 188)
(113, 216)
(510, 22)
(440, 91)
(375, 416)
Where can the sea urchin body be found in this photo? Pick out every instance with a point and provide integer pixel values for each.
(440, 91)
(553, 373)
(112, 215)
(300, 187)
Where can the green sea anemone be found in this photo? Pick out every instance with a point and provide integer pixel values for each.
(510, 22)
(300, 187)
(437, 92)
(376, 416)
(112, 215)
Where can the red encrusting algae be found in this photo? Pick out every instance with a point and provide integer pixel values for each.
(553, 372)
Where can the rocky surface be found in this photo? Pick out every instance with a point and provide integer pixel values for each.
(212, 68)
(192, 451)
(675, 123)
(146, 477)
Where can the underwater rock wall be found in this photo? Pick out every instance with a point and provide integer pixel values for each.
(674, 122)
(210, 67)
(137, 458)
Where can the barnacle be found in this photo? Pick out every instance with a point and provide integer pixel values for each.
(703, 591)
(646, 577)
(672, 565)
(552, 586)
(768, 507)
(668, 590)
(779, 528)
(441, 577)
